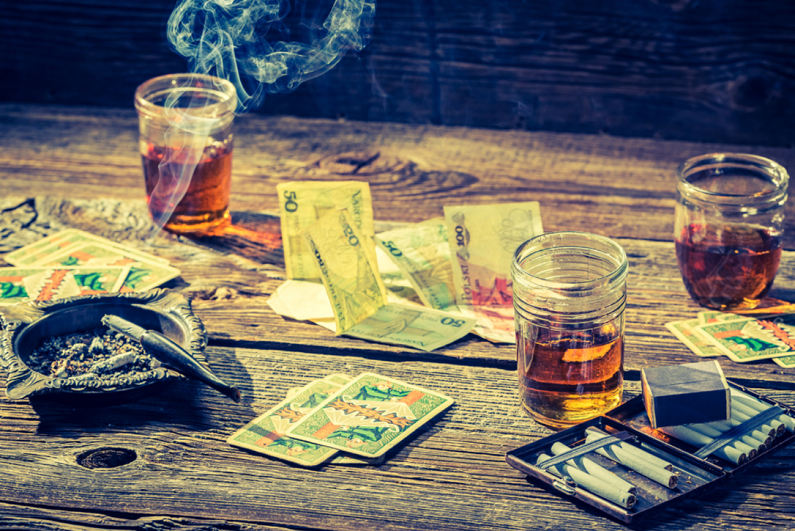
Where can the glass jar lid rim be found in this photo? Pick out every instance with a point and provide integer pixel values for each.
(762, 166)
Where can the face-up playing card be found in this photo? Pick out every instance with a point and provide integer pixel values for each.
(748, 339)
(369, 415)
(19, 284)
(144, 274)
(265, 434)
(61, 241)
(685, 332)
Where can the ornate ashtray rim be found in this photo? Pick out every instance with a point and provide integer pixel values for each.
(169, 308)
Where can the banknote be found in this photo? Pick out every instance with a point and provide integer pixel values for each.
(422, 253)
(483, 239)
(414, 326)
(303, 203)
(348, 268)
(358, 296)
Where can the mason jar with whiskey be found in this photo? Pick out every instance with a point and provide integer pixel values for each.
(569, 293)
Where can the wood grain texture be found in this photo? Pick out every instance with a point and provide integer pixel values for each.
(614, 186)
(450, 475)
(707, 70)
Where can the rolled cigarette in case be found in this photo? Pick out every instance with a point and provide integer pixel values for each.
(767, 428)
(591, 484)
(761, 407)
(619, 455)
(751, 412)
(597, 471)
(750, 451)
(634, 450)
(689, 436)
(755, 435)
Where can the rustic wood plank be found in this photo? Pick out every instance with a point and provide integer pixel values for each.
(623, 188)
(706, 71)
(451, 475)
(229, 294)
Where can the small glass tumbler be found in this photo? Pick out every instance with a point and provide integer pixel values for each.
(185, 123)
(569, 295)
(729, 227)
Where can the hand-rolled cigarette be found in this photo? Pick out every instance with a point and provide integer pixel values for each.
(592, 468)
(634, 450)
(619, 455)
(755, 435)
(728, 453)
(751, 412)
(759, 406)
(590, 483)
(750, 451)
(767, 428)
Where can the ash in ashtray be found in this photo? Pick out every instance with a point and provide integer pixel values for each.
(100, 354)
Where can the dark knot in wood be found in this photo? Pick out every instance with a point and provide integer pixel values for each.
(106, 458)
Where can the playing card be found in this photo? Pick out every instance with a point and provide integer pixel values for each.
(19, 284)
(717, 317)
(369, 415)
(59, 242)
(144, 274)
(684, 331)
(748, 339)
(265, 434)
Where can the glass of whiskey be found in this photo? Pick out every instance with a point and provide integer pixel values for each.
(185, 141)
(728, 228)
(569, 295)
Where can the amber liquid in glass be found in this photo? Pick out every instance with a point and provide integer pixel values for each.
(205, 207)
(568, 377)
(728, 267)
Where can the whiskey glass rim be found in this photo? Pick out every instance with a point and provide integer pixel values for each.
(758, 166)
(592, 246)
(222, 91)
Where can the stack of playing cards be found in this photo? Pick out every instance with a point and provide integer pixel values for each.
(329, 419)
(739, 337)
(74, 262)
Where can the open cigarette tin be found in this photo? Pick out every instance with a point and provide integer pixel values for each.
(696, 475)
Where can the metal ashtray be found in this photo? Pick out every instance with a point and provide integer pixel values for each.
(26, 325)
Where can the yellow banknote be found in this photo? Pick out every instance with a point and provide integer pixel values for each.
(303, 203)
(347, 267)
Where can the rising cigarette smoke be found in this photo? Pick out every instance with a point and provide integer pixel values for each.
(228, 39)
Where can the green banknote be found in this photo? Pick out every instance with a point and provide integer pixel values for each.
(303, 203)
(359, 299)
(422, 253)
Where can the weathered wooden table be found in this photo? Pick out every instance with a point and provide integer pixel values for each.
(67, 167)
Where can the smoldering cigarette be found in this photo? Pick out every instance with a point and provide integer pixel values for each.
(662, 476)
(712, 433)
(591, 484)
(635, 451)
(761, 407)
(751, 412)
(689, 436)
(594, 469)
(114, 362)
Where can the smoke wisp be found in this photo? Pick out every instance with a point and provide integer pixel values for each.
(228, 39)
